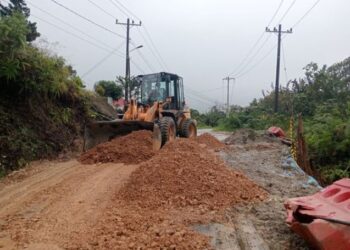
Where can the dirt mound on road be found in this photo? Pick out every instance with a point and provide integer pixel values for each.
(241, 136)
(130, 149)
(210, 141)
(183, 174)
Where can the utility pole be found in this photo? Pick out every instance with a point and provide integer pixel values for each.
(279, 32)
(127, 66)
(228, 79)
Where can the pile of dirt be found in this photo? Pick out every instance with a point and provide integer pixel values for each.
(210, 141)
(241, 136)
(182, 174)
(132, 227)
(133, 148)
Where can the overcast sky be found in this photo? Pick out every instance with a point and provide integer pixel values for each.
(200, 40)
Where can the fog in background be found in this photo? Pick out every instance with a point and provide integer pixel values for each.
(201, 40)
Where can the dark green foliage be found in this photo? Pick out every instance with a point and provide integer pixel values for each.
(42, 104)
(19, 6)
(108, 89)
(323, 99)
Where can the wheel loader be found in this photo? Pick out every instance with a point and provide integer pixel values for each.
(159, 107)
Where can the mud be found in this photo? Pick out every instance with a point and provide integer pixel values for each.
(262, 161)
(184, 197)
(210, 141)
(133, 148)
(185, 174)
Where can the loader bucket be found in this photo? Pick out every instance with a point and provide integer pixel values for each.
(102, 131)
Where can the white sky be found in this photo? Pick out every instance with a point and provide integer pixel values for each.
(201, 40)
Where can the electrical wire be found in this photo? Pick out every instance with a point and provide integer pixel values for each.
(127, 10)
(270, 51)
(307, 13)
(102, 60)
(213, 89)
(284, 63)
(151, 45)
(100, 8)
(255, 54)
(287, 11)
(138, 67)
(145, 61)
(155, 47)
(257, 41)
(201, 96)
(256, 64)
(191, 96)
(70, 33)
(73, 27)
(119, 8)
(87, 19)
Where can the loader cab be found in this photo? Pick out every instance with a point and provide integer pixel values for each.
(162, 87)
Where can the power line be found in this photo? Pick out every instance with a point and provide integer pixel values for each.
(155, 48)
(284, 63)
(307, 13)
(270, 51)
(87, 19)
(70, 33)
(195, 93)
(146, 61)
(151, 45)
(276, 12)
(285, 13)
(72, 27)
(213, 89)
(119, 8)
(138, 67)
(255, 54)
(243, 62)
(102, 60)
(279, 31)
(126, 9)
(257, 63)
(200, 100)
(100, 8)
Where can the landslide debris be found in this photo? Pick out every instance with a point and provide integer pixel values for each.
(184, 174)
(183, 184)
(132, 227)
(241, 136)
(210, 141)
(133, 148)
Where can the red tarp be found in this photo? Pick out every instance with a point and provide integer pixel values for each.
(323, 219)
(276, 131)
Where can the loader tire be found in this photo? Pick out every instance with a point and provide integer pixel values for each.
(167, 129)
(189, 129)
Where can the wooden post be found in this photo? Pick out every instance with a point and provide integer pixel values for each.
(302, 152)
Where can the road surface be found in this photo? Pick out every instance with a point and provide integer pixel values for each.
(57, 203)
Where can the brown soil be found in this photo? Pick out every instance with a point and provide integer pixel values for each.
(133, 227)
(210, 141)
(133, 148)
(115, 206)
(242, 136)
(184, 174)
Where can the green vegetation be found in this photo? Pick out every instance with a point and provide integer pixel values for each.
(19, 6)
(42, 102)
(109, 89)
(322, 97)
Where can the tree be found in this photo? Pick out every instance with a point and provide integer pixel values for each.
(19, 6)
(109, 89)
(134, 85)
